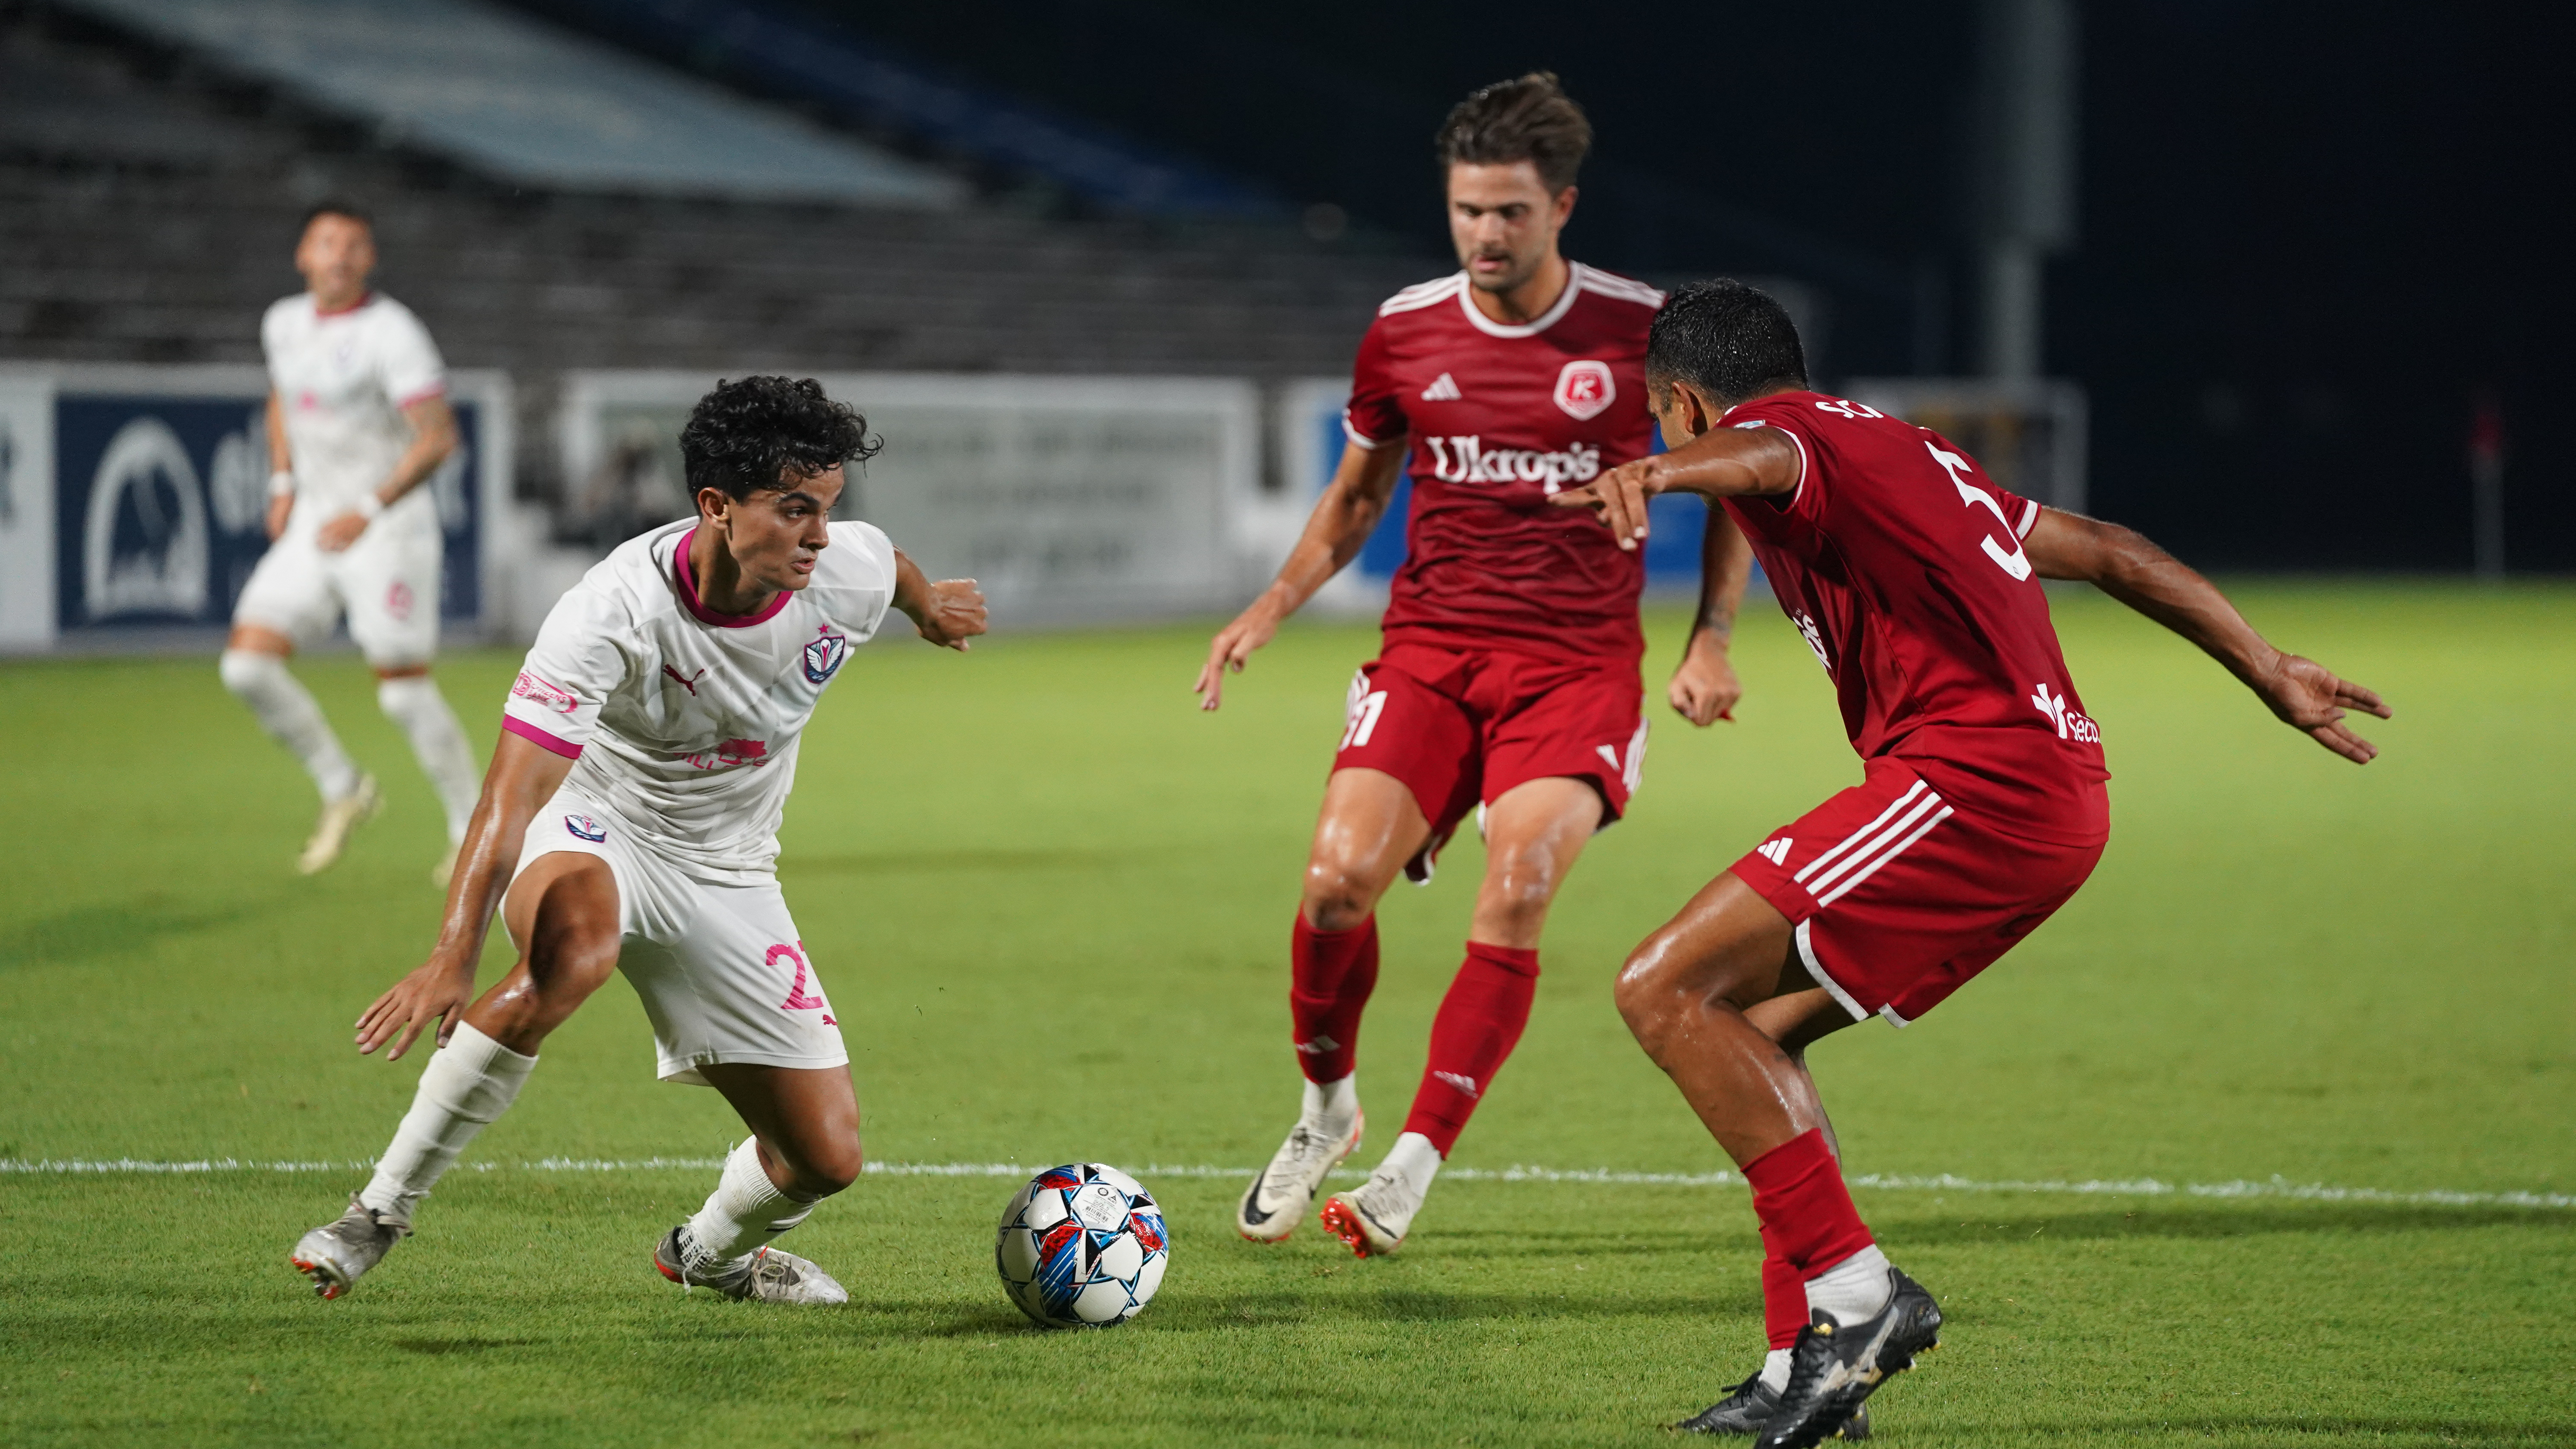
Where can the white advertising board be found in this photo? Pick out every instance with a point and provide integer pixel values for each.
(1069, 499)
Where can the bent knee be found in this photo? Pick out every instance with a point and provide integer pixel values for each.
(829, 1168)
(1337, 897)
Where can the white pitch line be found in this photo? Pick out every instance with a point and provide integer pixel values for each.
(2275, 1187)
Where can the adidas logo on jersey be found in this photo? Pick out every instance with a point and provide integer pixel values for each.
(1774, 851)
(1443, 388)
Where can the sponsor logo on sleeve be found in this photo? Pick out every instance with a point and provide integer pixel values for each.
(544, 694)
(586, 828)
(1584, 389)
(824, 655)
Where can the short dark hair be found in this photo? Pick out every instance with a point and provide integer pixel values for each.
(1728, 340)
(335, 206)
(741, 437)
(1529, 119)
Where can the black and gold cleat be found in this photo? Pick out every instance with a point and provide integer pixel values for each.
(1835, 1367)
(1749, 1406)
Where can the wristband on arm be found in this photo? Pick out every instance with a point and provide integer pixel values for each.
(369, 506)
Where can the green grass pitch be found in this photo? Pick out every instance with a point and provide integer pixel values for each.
(1052, 900)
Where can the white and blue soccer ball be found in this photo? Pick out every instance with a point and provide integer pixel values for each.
(1082, 1246)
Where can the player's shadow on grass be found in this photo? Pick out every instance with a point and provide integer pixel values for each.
(89, 933)
(1990, 1228)
(2273, 1427)
(463, 1345)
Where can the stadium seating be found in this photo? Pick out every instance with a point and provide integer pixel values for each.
(147, 203)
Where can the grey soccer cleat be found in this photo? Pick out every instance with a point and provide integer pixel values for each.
(334, 1254)
(767, 1274)
(1277, 1200)
(340, 819)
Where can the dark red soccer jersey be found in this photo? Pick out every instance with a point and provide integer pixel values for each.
(1901, 562)
(1500, 418)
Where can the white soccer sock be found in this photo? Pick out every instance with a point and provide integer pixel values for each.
(745, 1211)
(286, 710)
(1332, 1106)
(1775, 1370)
(1852, 1290)
(467, 1083)
(415, 704)
(1414, 1159)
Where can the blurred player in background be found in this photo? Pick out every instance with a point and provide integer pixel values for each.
(1508, 679)
(357, 422)
(1981, 810)
(629, 823)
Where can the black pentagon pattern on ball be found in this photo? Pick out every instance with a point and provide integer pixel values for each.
(1081, 1246)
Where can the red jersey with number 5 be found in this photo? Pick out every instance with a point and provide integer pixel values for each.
(1901, 562)
(1501, 417)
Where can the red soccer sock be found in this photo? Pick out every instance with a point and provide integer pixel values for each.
(1479, 1023)
(1333, 973)
(1806, 1212)
(1784, 1298)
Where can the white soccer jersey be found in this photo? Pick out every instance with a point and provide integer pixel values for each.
(683, 722)
(343, 379)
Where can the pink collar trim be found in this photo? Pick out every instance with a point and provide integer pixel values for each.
(363, 299)
(689, 594)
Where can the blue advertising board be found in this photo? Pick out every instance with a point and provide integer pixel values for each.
(160, 504)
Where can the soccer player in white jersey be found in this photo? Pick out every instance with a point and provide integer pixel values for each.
(629, 823)
(357, 422)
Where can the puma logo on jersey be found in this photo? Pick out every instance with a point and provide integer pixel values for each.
(1463, 1083)
(1775, 851)
(1465, 460)
(688, 682)
(2071, 725)
(1443, 388)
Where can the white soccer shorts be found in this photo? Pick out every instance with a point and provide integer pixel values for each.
(387, 583)
(721, 971)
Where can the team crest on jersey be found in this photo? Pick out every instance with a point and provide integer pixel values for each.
(823, 656)
(1584, 389)
(586, 828)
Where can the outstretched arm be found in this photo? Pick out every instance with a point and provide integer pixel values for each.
(947, 613)
(1342, 521)
(2124, 564)
(523, 777)
(1704, 688)
(1719, 463)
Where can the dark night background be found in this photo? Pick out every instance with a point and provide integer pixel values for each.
(2310, 235)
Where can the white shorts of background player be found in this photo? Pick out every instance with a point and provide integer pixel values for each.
(719, 967)
(387, 583)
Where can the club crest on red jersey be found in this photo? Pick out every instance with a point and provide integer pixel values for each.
(1584, 389)
(823, 656)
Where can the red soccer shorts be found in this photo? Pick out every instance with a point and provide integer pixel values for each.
(1461, 727)
(1899, 899)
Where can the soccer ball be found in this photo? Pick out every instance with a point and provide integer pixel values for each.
(1082, 1246)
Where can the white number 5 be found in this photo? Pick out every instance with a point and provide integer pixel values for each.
(2008, 558)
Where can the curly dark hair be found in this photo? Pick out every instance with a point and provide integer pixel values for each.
(1729, 340)
(744, 436)
(1529, 118)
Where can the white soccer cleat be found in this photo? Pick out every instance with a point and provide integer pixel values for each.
(765, 1274)
(1278, 1198)
(339, 819)
(334, 1254)
(1373, 1220)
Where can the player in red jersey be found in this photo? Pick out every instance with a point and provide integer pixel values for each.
(1508, 680)
(1981, 809)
